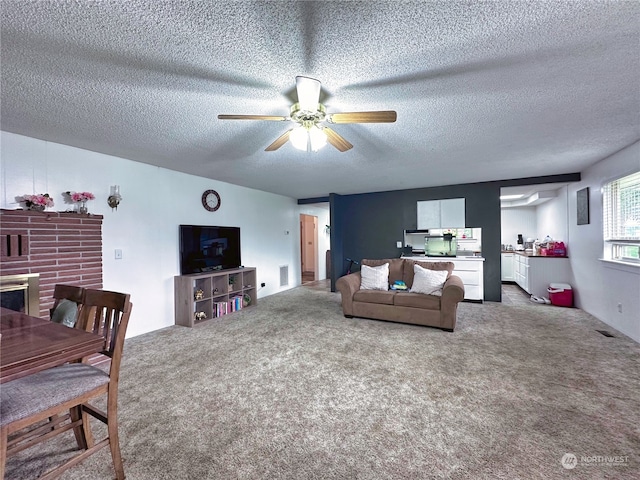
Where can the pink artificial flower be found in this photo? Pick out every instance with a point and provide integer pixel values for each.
(40, 199)
(81, 196)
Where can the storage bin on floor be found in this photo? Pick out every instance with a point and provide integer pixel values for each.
(560, 294)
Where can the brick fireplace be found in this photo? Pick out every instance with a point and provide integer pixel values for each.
(60, 247)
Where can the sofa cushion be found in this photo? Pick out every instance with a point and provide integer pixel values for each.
(428, 281)
(374, 296)
(395, 267)
(374, 278)
(417, 300)
(408, 271)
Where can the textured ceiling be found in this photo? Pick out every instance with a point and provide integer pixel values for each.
(484, 90)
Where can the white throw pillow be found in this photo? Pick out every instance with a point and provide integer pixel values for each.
(374, 278)
(428, 281)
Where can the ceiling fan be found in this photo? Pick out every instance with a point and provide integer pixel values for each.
(309, 114)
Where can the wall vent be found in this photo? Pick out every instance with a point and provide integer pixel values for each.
(605, 333)
(284, 275)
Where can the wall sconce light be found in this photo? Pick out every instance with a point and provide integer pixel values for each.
(114, 197)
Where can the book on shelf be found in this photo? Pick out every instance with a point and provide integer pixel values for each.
(220, 309)
(236, 303)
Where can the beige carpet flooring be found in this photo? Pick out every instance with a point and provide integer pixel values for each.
(290, 389)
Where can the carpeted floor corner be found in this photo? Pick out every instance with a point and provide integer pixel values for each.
(293, 390)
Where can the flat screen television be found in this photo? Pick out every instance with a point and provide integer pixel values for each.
(207, 248)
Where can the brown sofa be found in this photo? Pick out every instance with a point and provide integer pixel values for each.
(403, 306)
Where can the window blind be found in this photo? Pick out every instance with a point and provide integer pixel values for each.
(621, 209)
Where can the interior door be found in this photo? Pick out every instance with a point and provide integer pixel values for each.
(308, 247)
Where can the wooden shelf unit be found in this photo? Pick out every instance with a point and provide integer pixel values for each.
(218, 287)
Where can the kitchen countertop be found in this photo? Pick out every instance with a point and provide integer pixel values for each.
(444, 259)
(530, 254)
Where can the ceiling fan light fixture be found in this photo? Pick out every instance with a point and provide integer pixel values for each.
(308, 138)
(299, 138)
(317, 138)
(309, 134)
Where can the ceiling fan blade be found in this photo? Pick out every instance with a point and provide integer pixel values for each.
(281, 140)
(337, 140)
(308, 93)
(275, 118)
(383, 116)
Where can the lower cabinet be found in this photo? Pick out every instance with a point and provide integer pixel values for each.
(202, 296)
(507, 267)
(535, 273)
(471, 272)
(521, 271)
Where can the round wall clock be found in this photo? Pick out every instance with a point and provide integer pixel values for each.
(211, 200)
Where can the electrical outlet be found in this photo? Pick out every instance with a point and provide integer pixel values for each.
(399, 244)
(118, 254)
(619, 308)
(262, 284)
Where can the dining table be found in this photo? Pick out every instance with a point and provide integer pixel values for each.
(30, 344)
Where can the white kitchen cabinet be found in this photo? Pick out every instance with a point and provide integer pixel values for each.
(507, 273)
(521, 271)
(452, 213)
(470, 270)
(428, 214)
(448, 213)
(535, 273)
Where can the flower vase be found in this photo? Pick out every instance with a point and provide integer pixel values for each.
(82, 207)
(36, 208)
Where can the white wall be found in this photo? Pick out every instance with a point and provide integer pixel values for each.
(145, 226)
(517, 220)
(599, 285)
(551, 218)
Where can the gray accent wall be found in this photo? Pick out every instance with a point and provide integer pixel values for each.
(369, 225)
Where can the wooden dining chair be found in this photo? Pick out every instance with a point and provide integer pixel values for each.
(64, 392)
(67, 304)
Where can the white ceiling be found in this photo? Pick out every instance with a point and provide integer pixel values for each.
(484, 90)
(530, 195)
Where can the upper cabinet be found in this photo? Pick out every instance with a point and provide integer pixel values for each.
(441, 214)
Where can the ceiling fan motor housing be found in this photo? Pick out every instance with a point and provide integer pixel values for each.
(307, 118)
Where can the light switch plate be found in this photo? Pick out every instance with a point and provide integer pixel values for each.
(118, 254)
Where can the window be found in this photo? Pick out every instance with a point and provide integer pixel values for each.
(621, 218)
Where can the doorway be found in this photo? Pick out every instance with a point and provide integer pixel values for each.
(308, 247)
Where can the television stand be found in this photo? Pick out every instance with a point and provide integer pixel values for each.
(207, 295)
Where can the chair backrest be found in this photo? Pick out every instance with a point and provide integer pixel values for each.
(107, 314)
(62, 311)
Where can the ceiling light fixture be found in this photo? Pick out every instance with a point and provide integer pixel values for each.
(510, 197)
(309, 113)
(317, 138)
(308, 137)
(299, 138)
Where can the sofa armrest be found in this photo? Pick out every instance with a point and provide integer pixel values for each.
(348, 286)
(453, 289)
(452, 294)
